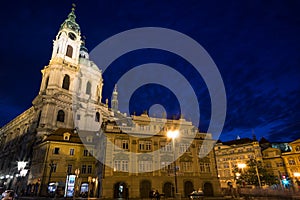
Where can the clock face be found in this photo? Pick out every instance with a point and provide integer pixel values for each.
(72, 36)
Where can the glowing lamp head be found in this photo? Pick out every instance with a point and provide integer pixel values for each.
(241, 165)
(21, 165)
(173, 134)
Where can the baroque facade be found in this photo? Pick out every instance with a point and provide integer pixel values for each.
(68, 130)
(231, 154)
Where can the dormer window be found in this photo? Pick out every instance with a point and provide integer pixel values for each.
(66, 136)
(89, 138)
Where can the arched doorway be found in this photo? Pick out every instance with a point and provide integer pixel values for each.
(121, 190)
(145, 188)
(168, 189)
(188, 188)
(208, 189)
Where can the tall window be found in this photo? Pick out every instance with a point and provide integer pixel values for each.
(97, 117)
(46, 82)
(54, 166)
(69, 51)
(89, 169)
(56, 150)
(69, 170)
(85, 152)
(71, 152)
(186, 166)
(60, 116)
(66, 82)
(83, 169)
(88, 88)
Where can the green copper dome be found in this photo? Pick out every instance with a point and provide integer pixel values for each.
(70, 22)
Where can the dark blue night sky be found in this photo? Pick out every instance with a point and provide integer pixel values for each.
(255, 45)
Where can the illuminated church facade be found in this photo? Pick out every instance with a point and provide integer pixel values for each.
(68, 130)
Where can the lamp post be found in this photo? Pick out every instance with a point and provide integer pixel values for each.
(173, 134)
(77, 172)
(257, 173)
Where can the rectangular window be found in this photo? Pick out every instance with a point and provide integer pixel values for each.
(121, 165)
(184, 148)
(83, 169)
(202, 169)
(85, 152)
(165, 147)
(69, 170)
(71, 152)
(292, 162)
(279, 164)
(56, 150)
(145, 166)
(122, 143)
(207, 167)
(186, 166)
(89, 169)
(145, 145)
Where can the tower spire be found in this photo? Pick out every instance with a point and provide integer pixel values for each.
(114, 101)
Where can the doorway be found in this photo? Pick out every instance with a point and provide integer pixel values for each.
(145, 188)
(121, 190)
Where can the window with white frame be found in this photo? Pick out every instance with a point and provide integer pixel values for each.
(145, 165)
(184, 147)
(186, 166)
(165, 147)
(121, 165)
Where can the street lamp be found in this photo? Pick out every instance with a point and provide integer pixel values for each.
(173, 134)
(77, 172)
(241, 166)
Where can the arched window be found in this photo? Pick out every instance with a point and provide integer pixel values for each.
(69, 51)
(97, 117)
(297, 148)
(66, 82)
(60, 116)
(46, 82)
(88, 88)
